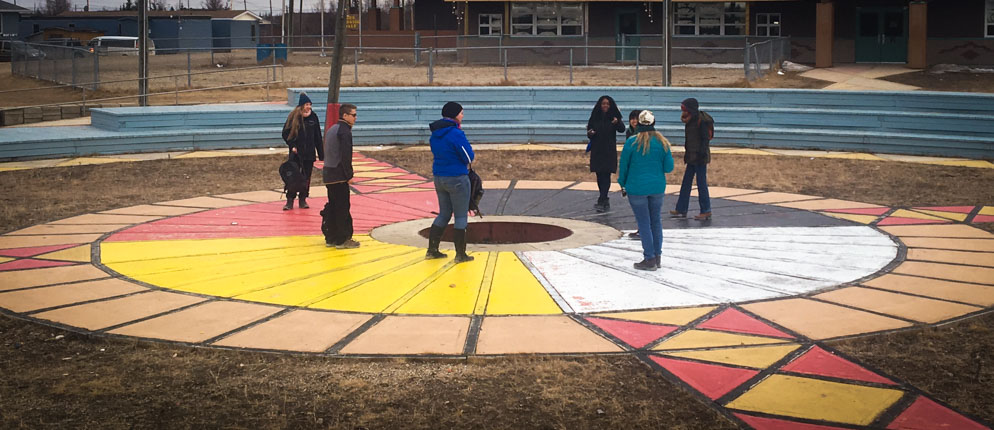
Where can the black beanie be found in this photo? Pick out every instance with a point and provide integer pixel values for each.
(303, 99)
(451, 110)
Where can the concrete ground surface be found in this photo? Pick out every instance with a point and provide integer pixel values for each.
(738, 314)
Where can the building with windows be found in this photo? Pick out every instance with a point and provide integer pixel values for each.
(916, 32)
(10, 20)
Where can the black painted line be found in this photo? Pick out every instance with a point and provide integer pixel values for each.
(245, 327)
(827, 424)
(108, 329)
(878, 313)
(538, 201)
(337, 347)
(85, 302)
(473, 335)
(762, 375)
(583, 321)
(894, 410)
(904, 293)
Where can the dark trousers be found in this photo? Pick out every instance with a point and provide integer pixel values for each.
(336, 219)
(603, 185)
(307, 167)
(703, 197)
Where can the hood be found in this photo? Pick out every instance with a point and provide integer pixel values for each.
(691, 106)
(442, 124)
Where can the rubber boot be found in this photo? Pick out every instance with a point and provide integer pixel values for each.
(288, 205)
(459, 237)
(303, 203)
(434, 238)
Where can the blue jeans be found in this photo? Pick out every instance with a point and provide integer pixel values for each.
(703, 197)
(646, 209)
(453, 197)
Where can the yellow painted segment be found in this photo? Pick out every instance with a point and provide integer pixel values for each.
(90, 160)
(904, 213)
(397, 182)
(377, 295)
(363, 168)
(309, 289)
(516, 291)
(115, 252)
(759, 357)
(669, 316)
(965, 163)
(955, 216)
(454, 292)
(10, 169)
(486, 285)
(5, 259)
(747, 151)
(986, 210)
(403, 190)
(206, 154)
(853, 156)
(80, 254)
(817, 400)
(375, 174)
(712, 339)
(862, 219)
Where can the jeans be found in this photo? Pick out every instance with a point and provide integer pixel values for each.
(307, 167)
(701, 171)
(603, 186)
(336, 217)
(646, 209)
(453, 198)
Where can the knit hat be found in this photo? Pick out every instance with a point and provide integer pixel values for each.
(451, 110)
(647, 118)
(303, 99)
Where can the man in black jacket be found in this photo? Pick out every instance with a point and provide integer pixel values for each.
(698, 131)
(336, 220)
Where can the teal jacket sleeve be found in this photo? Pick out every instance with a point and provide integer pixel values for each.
(626, 159)
(668, 161)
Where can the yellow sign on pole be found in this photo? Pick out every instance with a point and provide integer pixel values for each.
(352, 22)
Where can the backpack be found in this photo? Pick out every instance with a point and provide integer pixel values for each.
(475, 192)
(293, 176)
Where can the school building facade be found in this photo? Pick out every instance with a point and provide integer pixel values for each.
(918, 33)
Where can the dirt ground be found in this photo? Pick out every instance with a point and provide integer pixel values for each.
(949, 81)
(88, 381)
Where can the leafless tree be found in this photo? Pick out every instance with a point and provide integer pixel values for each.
(156, 5)
(55, 7)
(215, 5)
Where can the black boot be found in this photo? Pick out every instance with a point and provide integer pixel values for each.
(646, 264)
(659, 261)
(434, 238)
(288, 205)
(459, 237)
(303, 203)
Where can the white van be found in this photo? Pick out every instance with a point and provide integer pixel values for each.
(118, 45)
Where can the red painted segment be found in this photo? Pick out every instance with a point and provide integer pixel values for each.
(633, 333)
(411, 177)
(30, 263)
(957, 209)
(819, 362)
(366, 189)
(761, 423)
(425, 201)
(426, 185)
(925, 414)
(736, 321)
(34, 250)
(896, 220)
(983, 218)
(860, 211)
(712, 380)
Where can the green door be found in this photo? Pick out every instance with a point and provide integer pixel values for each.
(882, 35)
(626, 25)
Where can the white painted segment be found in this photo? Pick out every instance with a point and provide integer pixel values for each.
(710, 266)
(589, 287)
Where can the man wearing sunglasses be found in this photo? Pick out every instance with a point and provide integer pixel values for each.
(336, 219)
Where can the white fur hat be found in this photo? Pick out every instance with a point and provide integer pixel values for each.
(647, 118)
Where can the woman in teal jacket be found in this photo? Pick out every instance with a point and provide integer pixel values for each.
(645, 161)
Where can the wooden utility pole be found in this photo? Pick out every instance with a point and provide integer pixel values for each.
(335, 80)
(142, 52)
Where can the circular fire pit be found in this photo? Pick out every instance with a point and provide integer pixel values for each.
(504, 233)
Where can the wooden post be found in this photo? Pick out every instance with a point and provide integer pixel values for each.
(917, 35)
(335, 80)
(824, 33)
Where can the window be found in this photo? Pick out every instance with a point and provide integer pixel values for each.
(711, 19)
(768, 24)
(990, 19)
(546, 19)
(491, 24)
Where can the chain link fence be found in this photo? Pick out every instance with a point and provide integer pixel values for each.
(766, 56)
(59, 64)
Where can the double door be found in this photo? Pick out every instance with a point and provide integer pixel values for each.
(882, 35)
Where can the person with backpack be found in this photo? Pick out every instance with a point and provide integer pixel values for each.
(602, 128)
(698, 132)
(452, 157)
(302, 133)
(336, 218)
(645, 161)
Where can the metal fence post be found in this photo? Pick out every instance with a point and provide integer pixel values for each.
(622, 36)
(176, 90)
(74, 69)
(431, 65)
(417, 44)
(745, 66)
(500, 47)
(586, 49)
(189, 79)
(637, 51)
(505, 65)
(355, 69)
(571, 66)
(771, 58)
(96, 70)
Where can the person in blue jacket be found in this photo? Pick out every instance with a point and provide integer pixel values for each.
(645, 161)
(452, 158)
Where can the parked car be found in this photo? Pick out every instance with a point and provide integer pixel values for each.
(21, 50)
(118, 45)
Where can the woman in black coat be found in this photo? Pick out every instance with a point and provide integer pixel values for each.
(302, 133)
(602, 128)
